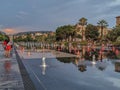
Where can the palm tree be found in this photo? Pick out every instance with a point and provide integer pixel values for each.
(83, 22)
(102, 24)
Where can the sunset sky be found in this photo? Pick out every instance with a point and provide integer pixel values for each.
(42, 15)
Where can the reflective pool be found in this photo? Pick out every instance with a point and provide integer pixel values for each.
(75, 73)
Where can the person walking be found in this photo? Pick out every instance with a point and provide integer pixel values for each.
(5, 42)
(8, 49)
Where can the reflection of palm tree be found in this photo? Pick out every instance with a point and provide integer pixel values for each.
(101, 65)
(82, 68)
(66, 59)
(101, 68)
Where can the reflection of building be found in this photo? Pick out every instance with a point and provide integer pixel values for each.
(7, 66)
(117, 20)
(117, 66)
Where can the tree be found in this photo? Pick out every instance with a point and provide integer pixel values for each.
(29, 37)
(65, 32)
(113, 34)
(102, 24)
(50, 38)
(91, 32)
(3, 37)
(83, 22)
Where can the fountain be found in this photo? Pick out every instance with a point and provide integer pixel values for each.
(44, 65)
(93, 60)
(28, 53)
(43, 62)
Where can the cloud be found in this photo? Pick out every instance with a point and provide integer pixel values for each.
(48, 15)
(115, 3)
(28, 28)
(1, 26)
(22, 14)
(9, 30)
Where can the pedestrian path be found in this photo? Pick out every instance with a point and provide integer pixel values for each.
(10, 76)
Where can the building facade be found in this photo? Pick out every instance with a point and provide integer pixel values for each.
(117, 20)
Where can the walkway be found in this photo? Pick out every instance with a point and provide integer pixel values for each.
(10, 77)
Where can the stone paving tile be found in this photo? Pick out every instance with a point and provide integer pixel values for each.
(10, 77)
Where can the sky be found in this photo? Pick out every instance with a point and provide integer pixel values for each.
(47, 15)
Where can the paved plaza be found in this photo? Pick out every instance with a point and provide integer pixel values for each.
(27, 54)
(10, 77)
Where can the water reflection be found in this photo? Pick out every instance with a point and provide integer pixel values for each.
(82, 67)
(112, 55)
(7, 71)
(44, 65)
(7, 66)
(66, 59)
(101, 66)
(99, 57)
(117, 66)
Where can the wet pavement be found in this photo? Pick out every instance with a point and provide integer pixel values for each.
(10, 76)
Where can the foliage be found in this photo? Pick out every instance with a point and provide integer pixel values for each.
(78, 36)
(118, 39)
(29, 37)
(111, 55)
(74, 44)
(64, 32)
(66, 59)
(83, 43)
(83, 21)
(66, 44)
(32, 38)
(91, 32)
(102, 24)
(3, 37)
(114, 34)
(50, 38)
(116, 43)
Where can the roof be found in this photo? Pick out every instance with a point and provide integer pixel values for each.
(118, 17)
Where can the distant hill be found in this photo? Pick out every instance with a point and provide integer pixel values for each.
(2, 32)
(33, 32)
